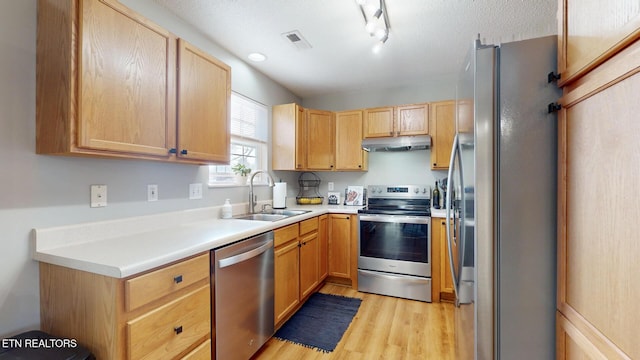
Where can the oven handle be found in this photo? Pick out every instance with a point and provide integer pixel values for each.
(395, 219)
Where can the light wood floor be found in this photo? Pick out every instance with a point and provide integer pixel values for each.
(384, 328)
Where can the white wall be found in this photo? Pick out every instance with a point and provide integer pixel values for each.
(39, 191)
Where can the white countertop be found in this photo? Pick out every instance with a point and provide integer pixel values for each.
(124, 247)
(438, 213)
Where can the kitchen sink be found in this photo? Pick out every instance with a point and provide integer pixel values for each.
(271, 215)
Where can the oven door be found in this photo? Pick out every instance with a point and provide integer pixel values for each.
(395, 243)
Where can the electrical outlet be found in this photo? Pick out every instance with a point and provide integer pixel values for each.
(330, 185)
(98, 196)
(195, 191)
(152, 192)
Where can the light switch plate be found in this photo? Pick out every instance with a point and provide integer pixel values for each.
(195, 191)
(98, 196)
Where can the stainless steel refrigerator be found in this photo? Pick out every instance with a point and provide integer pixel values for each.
(501, 201)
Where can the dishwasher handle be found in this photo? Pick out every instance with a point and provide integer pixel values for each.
(232, 260)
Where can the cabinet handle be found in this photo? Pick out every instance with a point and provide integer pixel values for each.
(178, 329)
(183, 151)
(177, 279)
(173, 151)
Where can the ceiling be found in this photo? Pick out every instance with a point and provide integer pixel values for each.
(428, 38)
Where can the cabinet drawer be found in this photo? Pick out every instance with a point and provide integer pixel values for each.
(170, 329)
(285, 234)
(202, 352)
(309, 225)
(146, 288)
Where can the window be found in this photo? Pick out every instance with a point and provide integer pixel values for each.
(248, 141)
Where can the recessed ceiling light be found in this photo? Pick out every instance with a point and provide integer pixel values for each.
(257, 57)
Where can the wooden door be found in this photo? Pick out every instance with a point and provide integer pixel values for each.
(288, 148)
(591, 32)
(126, 80)
(378, 122)
(446, 280)
(320, 140)
(412, 119)
(204, 101)
(598, 249)
(349, 153)
(286, 278)
(340, 245)
(309, 263)
(442, 133)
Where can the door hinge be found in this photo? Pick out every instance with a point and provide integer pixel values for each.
(553, 77)
(553, 107)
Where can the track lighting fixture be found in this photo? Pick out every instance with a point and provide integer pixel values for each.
(376, 20)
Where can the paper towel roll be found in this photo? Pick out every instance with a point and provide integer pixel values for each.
(280, 195)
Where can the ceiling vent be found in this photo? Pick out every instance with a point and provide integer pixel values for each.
(296, 39)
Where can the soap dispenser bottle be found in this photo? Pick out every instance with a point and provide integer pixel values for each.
(226, 210)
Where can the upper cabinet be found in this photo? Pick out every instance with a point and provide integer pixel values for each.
(396, 121)
(106, 86)
(378, 122)
(204, 95)
(591, 31)
(320, 127)
(288, 148)
(308, 139)
(442, 133)
(349, 153)
(412, 119)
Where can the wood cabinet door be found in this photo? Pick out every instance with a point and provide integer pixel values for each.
(599, 153)
(288, 149)
(126, 95)
(309, 263)
(592, 31)
(442, 133)
(378, 122)
(287, 280)
(320, 140)
(349, 153)
(446, 280)
(204, 101)
(323, 246)
(340, 245)
(412, 119)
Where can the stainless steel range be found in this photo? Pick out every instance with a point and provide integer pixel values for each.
(394, 245)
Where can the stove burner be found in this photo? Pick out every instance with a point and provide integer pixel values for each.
(408, 200)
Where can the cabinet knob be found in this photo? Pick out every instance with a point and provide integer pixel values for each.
(183, 151)
(173, 151)
(177, 329)
(177, 279)
(434, 164)
(360, 166)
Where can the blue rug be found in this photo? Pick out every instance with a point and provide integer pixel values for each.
(320, 322)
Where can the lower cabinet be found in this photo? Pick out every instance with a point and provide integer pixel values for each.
(298, 264)
(442, 281)
(343, 248)
(162, 314)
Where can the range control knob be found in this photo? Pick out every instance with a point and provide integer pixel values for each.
(424, 190)
(416, 190)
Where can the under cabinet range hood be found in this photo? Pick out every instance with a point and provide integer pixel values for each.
(400, 143)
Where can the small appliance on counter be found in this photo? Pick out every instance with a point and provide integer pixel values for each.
(309, 194)
(280, 195)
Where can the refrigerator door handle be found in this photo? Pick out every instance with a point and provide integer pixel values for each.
(448, 217)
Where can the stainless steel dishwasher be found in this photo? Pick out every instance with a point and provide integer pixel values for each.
(242, 286)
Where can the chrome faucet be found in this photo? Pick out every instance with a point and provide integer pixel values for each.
(253, 198)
